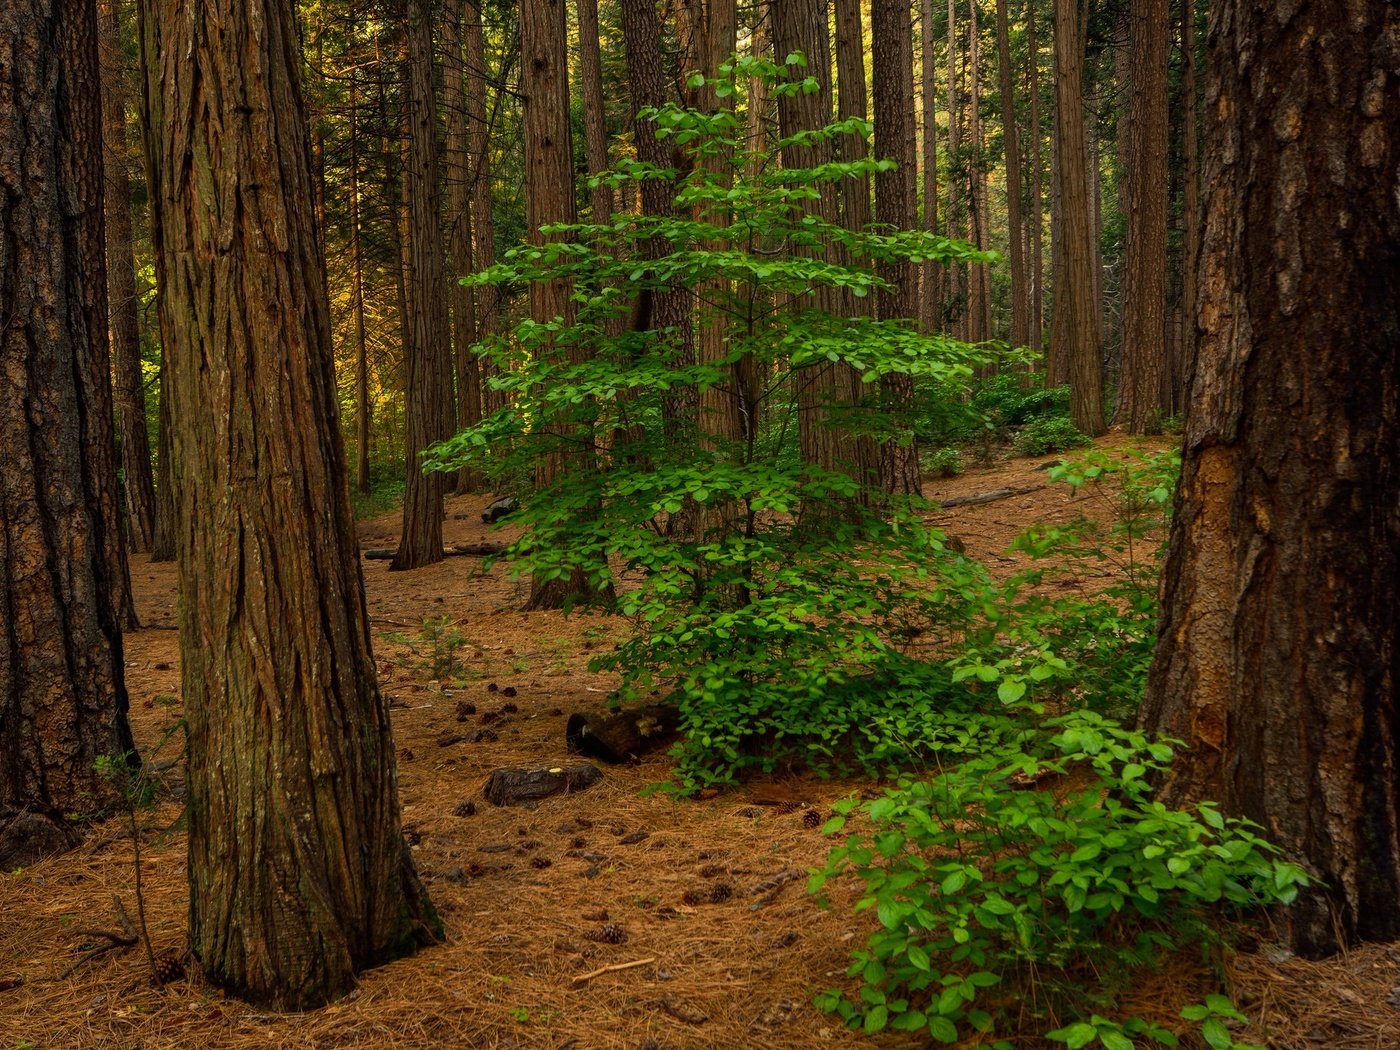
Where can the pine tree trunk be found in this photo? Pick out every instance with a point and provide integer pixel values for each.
(1020, 299)
(1191, 207)
(363, 409)
(129, 387)
(1074, 335)
(931, 305)
(429, 407)
(1278, 660)
(299, 877)
(483, 223)
(1141, 402)
(892, 53)
(979, 298)
(1037, 261)
(62, 698)
(956, 299)
(459, 237)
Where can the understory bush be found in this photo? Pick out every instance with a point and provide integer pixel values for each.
(1046, 434)
(780, 603)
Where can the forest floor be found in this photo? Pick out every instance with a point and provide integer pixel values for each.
(706, 899)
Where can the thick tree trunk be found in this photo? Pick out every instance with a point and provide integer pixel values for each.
(1278, 661)
(1141, 403)
(892, 53)
(129, 388)
(1074, 334)
(62, 698)
(459, 237)
(299, 877)
(1020, 298)
(595, 126)
(429, 407)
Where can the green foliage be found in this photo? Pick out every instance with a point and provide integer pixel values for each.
(438, 647)
(776, 600)
(1048, 434)
(1044, 860)
(942, 462)
(385, 492)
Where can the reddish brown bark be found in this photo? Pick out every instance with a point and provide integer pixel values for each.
(1278, 660)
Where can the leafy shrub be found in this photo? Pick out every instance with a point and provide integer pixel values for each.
(1046, 434)
(943, 462)
(777, 602)
(1020, 874)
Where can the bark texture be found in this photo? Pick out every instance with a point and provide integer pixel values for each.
(1074, 332)
(1016, 254)
(1143, 396)
(129, 388)
(1277, 657)
(429, 408)
(62, 698)
(299, 876)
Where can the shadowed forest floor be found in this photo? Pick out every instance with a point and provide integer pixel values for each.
(707, 897)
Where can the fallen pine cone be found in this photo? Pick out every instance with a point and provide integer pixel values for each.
(170, 967)
(610, 933)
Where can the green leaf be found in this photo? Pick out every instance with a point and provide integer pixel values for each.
(943, 1029)
(1081, 1033)
(1011, 690)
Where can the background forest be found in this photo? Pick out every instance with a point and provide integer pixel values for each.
(746, 329)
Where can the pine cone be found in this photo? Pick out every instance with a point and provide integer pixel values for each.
(464, 809)
(721, 892)
(610, 932)
(789, 806)
(812, 819)
(169, 968)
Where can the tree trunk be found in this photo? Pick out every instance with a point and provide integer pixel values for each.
(1037, 267)
(1074, 334)
(129, 388)
(459, 239)
(483, 224)
(429, 408)
(892, 52)
(549, 195)
(62, 698)
(1020, 299)
(1191, 206)
(979, 297)
(595, 126)
(363, 409)
(1141, 402)
(931, 307)
(299, 877)
(957, 170)
(1278, 658)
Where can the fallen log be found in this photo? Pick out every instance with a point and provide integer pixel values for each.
(461, 550)
(986, 497)
(513, 787)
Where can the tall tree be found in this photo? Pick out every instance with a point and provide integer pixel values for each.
(957, 173)
(62, 698)
(892, 55)
(130, 387)
(429, 409)
(1020, 296)
(1074, 331)
(299, 876)
(483, 226)
(457, 166)
(933, 278)
(1033, 155)
(1143, 398)
(1190, 204)
(363, 409)
(1278, 657)
(979, 292)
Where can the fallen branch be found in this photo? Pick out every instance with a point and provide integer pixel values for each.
(126, 939)
(585, 977)
(461, 550)
(987, 497)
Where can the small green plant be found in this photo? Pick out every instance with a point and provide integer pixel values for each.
(1015, 875)
(438, 647)
(521, 1014)
(1046, 434)
(1214, 1015)
(943, 462)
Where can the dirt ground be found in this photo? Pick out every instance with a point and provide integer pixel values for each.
(700, 905)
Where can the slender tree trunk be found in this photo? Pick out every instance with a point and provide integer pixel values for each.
(851, 102)
(1037, 266)
(931, 307)
(483, 224)
(1020, 298)
(459, 238)
(429, 407)
(1145, 284)
(129, 388)
(1278, 659)
(62, 698)
(979, 283)
(299, 877)
(957, 298)
(892, 52)
(1074, 335)
(1191, 207)
(363, 409)
(595, 126)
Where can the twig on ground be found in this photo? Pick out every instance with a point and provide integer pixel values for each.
(584, 977)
